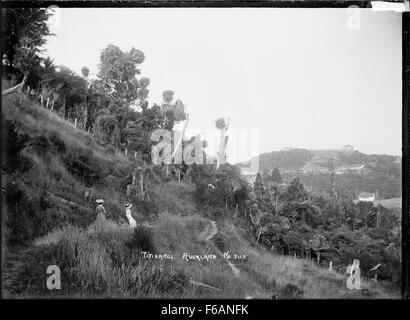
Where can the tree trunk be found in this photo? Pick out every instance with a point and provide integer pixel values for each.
(259, 235)
(11, 90)
(23, 83)
(65, 109)
(42, 98)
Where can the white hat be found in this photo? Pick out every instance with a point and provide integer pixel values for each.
(99, 201)
(128, 205)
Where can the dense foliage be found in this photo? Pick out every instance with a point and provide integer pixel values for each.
(327, 228)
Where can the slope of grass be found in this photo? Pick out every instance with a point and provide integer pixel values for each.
(52, 188)
(112, 264)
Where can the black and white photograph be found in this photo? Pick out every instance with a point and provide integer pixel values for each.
(202, 152)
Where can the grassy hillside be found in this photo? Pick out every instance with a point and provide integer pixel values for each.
(48, 223)
(112, 265)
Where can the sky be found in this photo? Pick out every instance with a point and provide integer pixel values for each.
(303, 78)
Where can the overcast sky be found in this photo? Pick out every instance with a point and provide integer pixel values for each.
(299, 76)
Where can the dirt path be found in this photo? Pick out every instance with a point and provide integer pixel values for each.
(210, 230)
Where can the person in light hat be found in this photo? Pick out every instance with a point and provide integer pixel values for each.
(130, 218)
(100, 211)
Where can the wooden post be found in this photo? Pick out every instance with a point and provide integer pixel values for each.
(142, 184)
(126, 151)
(129, 187)
(75, 123)
(135, 154)
(330, 266)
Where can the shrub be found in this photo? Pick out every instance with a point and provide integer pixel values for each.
(110, 149)
(32, 276)
(81, 163)
(219, 242)
(16, 143)
(142, 240)
(41, 145)
(28, 216)
(58, 143)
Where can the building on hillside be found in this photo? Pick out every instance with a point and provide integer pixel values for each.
(249, 176)
(348, 147)
(367, 197)
(347, 168)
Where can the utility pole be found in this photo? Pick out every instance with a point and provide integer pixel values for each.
(332, 173)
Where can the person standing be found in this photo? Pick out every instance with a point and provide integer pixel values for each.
(101, 219)
(130, 218)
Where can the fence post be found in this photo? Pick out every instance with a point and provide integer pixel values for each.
(75, 123)
(126, 151)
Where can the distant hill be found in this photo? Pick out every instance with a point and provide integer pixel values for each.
(355, 171)
(318, 160)
(390, 203)
(285, 160)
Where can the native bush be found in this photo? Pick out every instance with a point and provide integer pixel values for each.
(142, 240)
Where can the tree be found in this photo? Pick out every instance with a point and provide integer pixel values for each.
(295, 191)
(179, 111)
(24, 34)
(258, 187)
(222, 126)
(319, 244)
(70, 88)
(275, 176)
(85, 72)
(220, 123)
(168, 109)
(96, 103)
(140, 127)
(117, 71)
(231, 187)
(15, 144)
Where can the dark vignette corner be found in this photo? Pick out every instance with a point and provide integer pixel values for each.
(406, 167)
